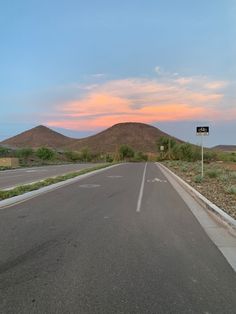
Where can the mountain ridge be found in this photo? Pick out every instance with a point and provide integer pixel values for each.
(140, 136)
(225, 148)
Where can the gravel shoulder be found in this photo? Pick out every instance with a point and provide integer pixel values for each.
(218, 184)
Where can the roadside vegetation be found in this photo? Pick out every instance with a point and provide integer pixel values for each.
(4, 194)
(29, 157)
(219, 181)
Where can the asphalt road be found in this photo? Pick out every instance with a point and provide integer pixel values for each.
(121, 241)
(10, 178)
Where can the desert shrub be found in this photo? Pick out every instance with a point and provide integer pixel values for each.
(213, 173)
(184, 168)
(231, 189)
(24, 153)
(4, 152)
(198, 178)
(176, 153)
(186, 152)
(196, 153)
(85, 155)
(72, 156)
(140, 156)
(45, 153)
(233, 175)
(223, 177)
(226, 156)
(210, 156)
(126, 151)
(109, 158)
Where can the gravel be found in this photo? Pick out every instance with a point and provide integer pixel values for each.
(218, 184)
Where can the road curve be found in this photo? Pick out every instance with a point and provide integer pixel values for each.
(91, 248)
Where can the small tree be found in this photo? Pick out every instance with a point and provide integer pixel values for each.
(45, 153)
(4, 152)
(126, 151)
(186, 152)
(24, 153)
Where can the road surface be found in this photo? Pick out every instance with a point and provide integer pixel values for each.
(121, 241)
(10, 178)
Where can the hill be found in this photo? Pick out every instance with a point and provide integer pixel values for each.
(225, 148)
(140, 136)
(37, 137)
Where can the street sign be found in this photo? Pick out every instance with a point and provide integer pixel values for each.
(202, 130)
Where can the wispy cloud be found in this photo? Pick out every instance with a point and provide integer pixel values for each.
(98, 75)
(171, 98)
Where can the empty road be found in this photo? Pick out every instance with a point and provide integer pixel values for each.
(120, 241)
(10, 178)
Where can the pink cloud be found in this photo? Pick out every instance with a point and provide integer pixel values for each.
(139, 100)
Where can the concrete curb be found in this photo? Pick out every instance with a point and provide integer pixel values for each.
(202, 200)
(28, 195)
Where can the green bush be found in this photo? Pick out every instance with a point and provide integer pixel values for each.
(213, 173)
(186, 152)
(210, 156)
(85, 155)
(198, 179)
(109, 158)
(24, 153)
(140, 156)
(233, 175)
(231, 189)
(167, 142)
(126, 151)
(196, 153)
(184, 168)
(223, 177)
(4, 152)
(72, 156)
(45, 153)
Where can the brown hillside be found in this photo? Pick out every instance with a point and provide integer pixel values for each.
(140, 136)
(37, 137)
(225, 148)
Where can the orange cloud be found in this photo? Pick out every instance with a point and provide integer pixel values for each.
(139, 100)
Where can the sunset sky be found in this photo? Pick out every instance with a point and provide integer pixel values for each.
(80, 66)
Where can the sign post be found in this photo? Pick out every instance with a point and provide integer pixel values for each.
(162, 150)
(202, 131)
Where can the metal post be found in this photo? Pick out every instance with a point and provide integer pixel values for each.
(202, 152)
(169, 148)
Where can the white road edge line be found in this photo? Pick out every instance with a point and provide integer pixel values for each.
(141, 190)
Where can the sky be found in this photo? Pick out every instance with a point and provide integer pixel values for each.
(80, 66)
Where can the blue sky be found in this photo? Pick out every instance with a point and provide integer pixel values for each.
(81, 66)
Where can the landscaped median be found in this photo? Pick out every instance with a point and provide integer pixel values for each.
(19, 190)
(218, 184)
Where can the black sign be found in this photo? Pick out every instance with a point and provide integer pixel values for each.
(202, 130)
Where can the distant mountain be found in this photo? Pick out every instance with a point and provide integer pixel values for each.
(225, 148)
(37, 137)
(140, 136)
